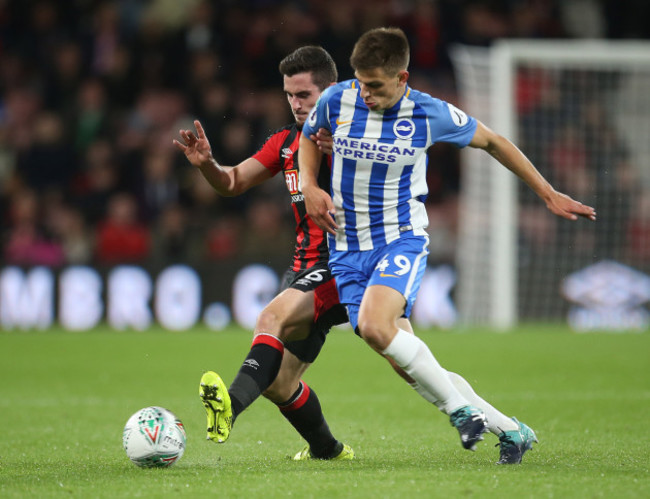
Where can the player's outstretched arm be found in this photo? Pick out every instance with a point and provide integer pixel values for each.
(512, 158)
(226, 180)
(317, 202)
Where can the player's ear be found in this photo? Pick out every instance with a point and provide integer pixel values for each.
(403, 77)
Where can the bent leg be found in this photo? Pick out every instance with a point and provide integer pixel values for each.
(287, 316)
(380, 309)
(497, 422)
(300, 405)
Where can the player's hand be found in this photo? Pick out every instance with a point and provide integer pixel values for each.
(320, 208)
(197, 150)
(566, 207)
(324, 141)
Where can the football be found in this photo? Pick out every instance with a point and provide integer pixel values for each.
(154, 438)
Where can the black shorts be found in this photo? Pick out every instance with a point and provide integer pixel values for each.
(328, 311)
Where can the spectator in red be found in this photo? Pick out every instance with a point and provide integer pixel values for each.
(121, 237)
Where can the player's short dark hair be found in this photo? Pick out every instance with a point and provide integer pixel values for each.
(386, 48)
(311, 59)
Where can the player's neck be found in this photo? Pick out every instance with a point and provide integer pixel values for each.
(397, 98)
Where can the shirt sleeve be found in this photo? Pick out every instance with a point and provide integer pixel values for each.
(318, 116)
(449, 124)
(269, 153)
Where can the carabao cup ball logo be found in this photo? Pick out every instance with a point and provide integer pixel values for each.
(404, 128)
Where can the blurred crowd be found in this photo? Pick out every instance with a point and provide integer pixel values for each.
(93, 92)
(587, 131)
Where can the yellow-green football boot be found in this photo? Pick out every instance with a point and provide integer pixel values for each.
(215, 397)
(346, 454)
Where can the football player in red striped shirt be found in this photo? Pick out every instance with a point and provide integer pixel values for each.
(291, 329)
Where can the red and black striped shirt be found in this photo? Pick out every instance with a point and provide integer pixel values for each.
(280, 153)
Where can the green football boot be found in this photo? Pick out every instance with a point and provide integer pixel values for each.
(513, 444)
(471, 423)
(215, 397)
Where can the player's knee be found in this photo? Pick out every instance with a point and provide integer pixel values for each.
(280, 326)
(269, 322)
(374, 333)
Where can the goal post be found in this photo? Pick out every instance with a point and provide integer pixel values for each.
(580, 110)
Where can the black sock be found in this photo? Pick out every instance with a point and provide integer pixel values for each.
(257, 372)
(304, 412)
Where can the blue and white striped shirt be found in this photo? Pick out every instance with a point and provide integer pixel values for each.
(379, 161)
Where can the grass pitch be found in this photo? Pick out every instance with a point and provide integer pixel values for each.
(65, 397)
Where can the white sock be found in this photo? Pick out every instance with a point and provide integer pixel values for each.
(496, 421)
(424, 393)
(412, 354)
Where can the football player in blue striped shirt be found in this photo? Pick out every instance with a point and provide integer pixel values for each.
(376, 219)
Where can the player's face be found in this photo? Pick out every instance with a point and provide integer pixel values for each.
(302, 95)
(380, 90)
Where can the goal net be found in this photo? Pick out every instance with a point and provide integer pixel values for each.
(581, 112)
